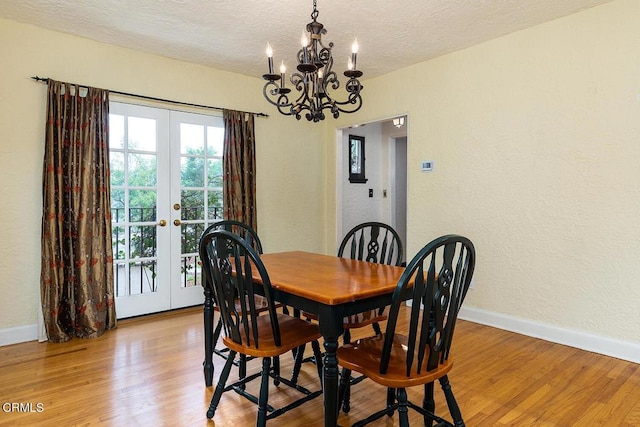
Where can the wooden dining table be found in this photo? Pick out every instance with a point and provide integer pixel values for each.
(331, 288)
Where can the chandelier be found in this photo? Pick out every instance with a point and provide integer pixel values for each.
(314, 80)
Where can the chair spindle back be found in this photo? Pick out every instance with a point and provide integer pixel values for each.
(440, 274)
(228, 262)
(374, 242)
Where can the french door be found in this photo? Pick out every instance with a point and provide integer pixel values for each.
(166, 188)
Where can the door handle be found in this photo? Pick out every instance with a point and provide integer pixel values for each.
(162, 223)
(176, 222)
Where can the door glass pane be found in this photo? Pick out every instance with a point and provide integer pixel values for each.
(142, 277)
(142, 170)
(191, 139)
(214, 173)
(118, 242)
(190, 261)
(192, 171)
(142, 205)
(142, 134)
(192, 204)
(215, 141)
(142, 241)
(116, 168)
(190, 271)
(117, 205)
(191, 237)
(116, 131)
(214, 210)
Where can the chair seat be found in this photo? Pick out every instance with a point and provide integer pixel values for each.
(364, 356)
(355, 321)
(293, 333)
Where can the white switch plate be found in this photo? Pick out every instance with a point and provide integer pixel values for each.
(426, 166)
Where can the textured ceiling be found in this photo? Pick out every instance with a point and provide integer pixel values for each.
(232, 34)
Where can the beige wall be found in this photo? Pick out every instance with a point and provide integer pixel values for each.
(535, 138)
(290, 154)
(536, 143)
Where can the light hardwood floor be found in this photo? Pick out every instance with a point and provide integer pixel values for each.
(148, 372)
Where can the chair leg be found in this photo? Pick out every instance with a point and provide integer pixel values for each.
(454, 410)
(345, 400)
(276, 371)
(264, 393)
(391, 400)
(376, 328)
(346, 336)
(345, 378)
(403, 408)
(317, 354)
(217, 394)
(297, 363)
(242, 367)
(428, 404)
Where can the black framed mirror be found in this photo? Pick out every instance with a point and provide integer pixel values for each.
(356, 160)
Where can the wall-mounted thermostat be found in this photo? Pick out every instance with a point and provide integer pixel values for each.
(426, 166)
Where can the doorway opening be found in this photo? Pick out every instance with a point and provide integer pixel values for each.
(382, 194)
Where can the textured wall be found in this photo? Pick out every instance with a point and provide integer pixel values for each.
(535, 138)
(290, 153)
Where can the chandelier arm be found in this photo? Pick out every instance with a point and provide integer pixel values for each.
(354, 100)
(271, 91)
(357, 102)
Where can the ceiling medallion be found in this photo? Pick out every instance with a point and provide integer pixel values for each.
(315, 79)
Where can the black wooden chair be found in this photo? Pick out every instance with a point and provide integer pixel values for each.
(374, 242)
(212, 335)
(228, 262)
(437, 279)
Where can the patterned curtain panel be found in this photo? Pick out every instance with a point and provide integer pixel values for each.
(239, 190)
(77, 260)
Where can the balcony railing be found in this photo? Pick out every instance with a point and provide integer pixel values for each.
(141, 251)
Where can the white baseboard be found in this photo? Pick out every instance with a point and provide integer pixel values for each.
(18, 334)
(619, 349)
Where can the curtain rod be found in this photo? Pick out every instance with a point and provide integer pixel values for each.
(151, 98)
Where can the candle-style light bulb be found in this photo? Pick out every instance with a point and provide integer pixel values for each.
(305, 51)
(354, 53)
(320, 82)
(283, 70)
(270, 58)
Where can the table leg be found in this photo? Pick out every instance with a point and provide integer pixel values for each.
(331, 327)
(330, 381)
